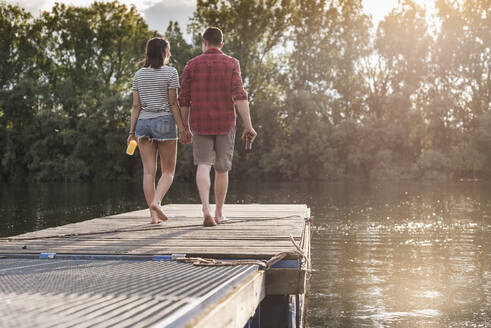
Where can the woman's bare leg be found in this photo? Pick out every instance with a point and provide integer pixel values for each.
(148, 154)
(168, 155)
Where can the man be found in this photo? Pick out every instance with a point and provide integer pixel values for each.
(211, 86)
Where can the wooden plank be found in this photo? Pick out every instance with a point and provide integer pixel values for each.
(301, 307)
(286, 244)
(158, 249)
(190, 252)
(156, 242)
(235, 309)
(259, 227)
(255, 231)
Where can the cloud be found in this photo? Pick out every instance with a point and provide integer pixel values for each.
(33, 6)
(158, 15)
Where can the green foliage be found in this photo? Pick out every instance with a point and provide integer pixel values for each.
(252, 30)
(329, 98)
(181, 51)
(66, 103)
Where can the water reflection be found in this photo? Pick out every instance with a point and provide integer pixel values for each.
(406, 255)
(383, 255)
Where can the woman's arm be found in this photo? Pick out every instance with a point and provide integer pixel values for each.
(175, 108)
(135, 111)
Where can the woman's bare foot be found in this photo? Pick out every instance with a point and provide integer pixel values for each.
(160, 214)
(208, 220)
(221, 219)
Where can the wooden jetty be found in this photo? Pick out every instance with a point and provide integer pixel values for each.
(242, 295)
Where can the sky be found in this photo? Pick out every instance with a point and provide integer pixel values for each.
(158, 13)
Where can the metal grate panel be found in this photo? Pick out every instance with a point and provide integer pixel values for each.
(80, 293)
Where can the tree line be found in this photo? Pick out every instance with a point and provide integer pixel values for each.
(331, 96)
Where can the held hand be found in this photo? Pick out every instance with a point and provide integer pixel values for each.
(189, 135)
(131, 137)
(185, 135)
(250, 133)
(184, 138)
(182, 135)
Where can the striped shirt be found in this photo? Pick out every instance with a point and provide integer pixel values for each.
(153, 86)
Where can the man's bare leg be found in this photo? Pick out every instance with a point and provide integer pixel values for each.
(221, 187)
(203, 183)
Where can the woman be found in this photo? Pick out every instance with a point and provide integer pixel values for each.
(153, 122)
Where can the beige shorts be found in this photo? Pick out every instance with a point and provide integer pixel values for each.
(215, 150)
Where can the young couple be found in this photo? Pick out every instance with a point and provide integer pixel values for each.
(204, 113)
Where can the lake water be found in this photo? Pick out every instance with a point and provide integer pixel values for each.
(383, 254)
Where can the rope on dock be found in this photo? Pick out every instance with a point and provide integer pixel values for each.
(263, 264)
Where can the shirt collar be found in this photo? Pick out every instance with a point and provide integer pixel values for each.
(213, 51)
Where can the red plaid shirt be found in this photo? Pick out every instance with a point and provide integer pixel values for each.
(211, 83)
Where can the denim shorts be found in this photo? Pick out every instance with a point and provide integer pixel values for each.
(159, 128)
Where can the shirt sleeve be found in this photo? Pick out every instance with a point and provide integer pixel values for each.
(134, 85)
(238, 92)
(185, 95)
(174, 80)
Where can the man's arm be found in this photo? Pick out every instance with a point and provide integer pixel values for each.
(185, 116)
(244, 113)
(185, 121)
(240, 98)
(185, 101)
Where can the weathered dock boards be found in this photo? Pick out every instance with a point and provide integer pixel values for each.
(253, 232)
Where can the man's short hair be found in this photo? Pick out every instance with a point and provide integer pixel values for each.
(213, 35)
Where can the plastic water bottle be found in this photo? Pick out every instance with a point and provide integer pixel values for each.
(131, 147)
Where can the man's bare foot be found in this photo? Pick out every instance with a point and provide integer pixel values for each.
(208, 221)
(221, 219)
(160, 214)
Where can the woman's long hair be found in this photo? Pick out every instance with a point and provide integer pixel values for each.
(155, 51)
